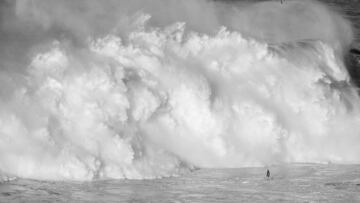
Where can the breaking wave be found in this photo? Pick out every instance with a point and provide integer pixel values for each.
(155, 96)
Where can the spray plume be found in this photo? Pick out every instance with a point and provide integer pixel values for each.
(146, 89)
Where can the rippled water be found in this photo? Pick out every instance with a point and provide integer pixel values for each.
(293, 183)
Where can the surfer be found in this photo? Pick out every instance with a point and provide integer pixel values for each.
(268, 173)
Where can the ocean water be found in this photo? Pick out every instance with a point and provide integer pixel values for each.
(184, 101)
(288, 183)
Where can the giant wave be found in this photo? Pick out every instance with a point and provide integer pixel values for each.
(152, 89)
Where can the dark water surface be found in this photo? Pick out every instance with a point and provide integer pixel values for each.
(351, 10)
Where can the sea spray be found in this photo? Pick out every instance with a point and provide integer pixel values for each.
(154, 97)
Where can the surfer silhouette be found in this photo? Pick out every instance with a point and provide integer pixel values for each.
(268, 173)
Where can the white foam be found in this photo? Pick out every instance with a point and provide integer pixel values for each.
(160, 100)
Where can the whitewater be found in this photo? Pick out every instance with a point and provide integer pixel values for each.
(138, 90)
